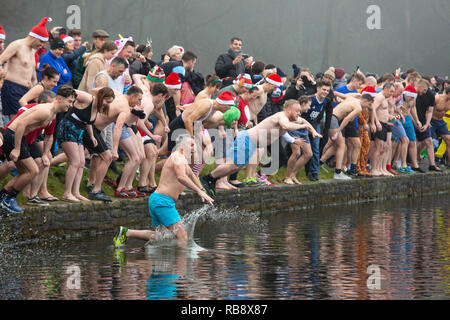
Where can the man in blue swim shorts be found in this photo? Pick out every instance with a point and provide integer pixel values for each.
(176, 175)
(260, 136)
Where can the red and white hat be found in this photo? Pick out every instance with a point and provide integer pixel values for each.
(244, 80)
(274, 79)
(66, 38)
(369, 90)
(40, 30)
(227, 98)
(173, 81)
(410, 91)
(2, 33)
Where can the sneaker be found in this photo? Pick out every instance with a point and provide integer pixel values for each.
(353, 173)
(139, 194)
(121, 237)
(122, 194)
(208, 185)
(36, 201)
(252, 182)
(146, 190)
(341, 176)
(418, 170)
(99, 196)
(10, 206)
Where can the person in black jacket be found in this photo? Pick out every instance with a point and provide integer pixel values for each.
(231, 64)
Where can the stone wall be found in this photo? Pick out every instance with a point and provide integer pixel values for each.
(74, 220)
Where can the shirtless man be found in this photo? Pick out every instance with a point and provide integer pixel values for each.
(343, 114)
(272, 83)
(438, 125)
(20, 68)
(120, 114)
(16, 149)
(381, 131)
(262, 135)
(151, 101)
(409, 112)
(176, 175)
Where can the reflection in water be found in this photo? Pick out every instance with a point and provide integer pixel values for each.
(315, 254)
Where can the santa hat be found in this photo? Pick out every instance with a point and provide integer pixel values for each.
(274, 79)
(410, 91)
(173, 81)
(244, 80)
(40, 30)
(2, 33)
(369, 90)
(66, 38)
(227, 98)
(156, 74)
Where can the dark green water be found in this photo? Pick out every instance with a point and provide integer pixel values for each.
(326, 253)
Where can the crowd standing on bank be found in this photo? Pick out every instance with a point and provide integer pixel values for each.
(91, 103)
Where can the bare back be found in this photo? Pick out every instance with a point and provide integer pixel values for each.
(441, 108)
(268, 131)
(35, 118)
(21, 63)
(118, 106)
(346, 107)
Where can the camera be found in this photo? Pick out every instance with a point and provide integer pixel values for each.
(245, 56)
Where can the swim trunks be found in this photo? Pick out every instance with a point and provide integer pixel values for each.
(69, 132)
(162, 210)
(302, 133)
(243, 149)
(439, 127)
(11, 93)
(409, 129)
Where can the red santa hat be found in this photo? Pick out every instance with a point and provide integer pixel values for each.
(173, 81)
(2, 33)
(274, 79)
(244, 80)
(369, 90)
(410, 91)
(227, 98)
(66, 38)
(40, 30)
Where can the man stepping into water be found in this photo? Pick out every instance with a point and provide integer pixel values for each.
(176, 175)
(264, 134)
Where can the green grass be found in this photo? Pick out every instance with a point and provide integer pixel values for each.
(56, 179)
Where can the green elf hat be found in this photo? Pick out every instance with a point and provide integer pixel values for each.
(156, 74)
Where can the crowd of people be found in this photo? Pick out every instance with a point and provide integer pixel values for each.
(64, 99)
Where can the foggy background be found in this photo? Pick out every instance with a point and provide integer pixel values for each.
(309, 33)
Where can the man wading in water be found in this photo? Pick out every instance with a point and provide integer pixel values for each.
(176, 175)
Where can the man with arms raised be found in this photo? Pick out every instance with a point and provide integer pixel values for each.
(176, 175)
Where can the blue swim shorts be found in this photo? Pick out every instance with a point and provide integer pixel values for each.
(162, 210)
(243, 149)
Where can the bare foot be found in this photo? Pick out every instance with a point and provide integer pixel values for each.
(289, 181)
(296, 181)
(70, 198)
(222, 186)
(377, 173)
(81, 198)
(231, 186)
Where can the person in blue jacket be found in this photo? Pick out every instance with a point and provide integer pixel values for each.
(54, 59)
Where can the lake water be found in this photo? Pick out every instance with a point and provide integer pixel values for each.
(383, 250)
